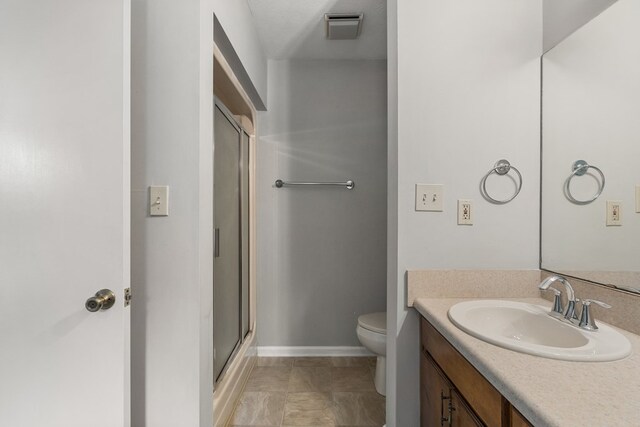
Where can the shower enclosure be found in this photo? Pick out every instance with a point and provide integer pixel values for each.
(231, 240)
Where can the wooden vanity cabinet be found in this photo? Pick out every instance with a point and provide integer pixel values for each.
(453, 393)
(517, 420)
(440, 403)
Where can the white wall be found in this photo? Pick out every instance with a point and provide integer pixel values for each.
(468, 95)
(563, 17)
(237, 21)
(172, 144)
(591, 105)
(321, 251)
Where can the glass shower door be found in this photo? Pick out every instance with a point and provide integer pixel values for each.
(226, 266)
(245, 233)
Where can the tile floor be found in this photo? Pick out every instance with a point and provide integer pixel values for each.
(311, 391)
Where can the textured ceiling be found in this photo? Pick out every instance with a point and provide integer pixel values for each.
(295, 29)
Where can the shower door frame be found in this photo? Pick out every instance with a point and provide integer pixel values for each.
(241, 130)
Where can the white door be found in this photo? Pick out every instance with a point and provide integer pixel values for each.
(64, 212)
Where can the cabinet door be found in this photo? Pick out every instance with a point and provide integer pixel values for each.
(485, 400)
(440, 404)
(461, 414)
(434, 389)
(517, 420)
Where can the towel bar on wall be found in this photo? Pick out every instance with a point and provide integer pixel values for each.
(349, 184)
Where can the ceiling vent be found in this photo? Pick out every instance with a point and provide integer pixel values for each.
(343, 26)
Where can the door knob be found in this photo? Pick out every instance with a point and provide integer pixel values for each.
(103, 300)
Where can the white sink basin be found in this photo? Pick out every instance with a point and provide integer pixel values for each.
(528, 328)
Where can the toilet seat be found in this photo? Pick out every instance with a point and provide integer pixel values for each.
(374, 322)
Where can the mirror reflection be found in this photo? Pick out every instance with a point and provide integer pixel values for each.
(591, 113)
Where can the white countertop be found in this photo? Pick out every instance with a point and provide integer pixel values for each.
(549, 392)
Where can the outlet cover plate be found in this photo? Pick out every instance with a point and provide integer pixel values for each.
(614, 213)
(429, 197)
(465, 212)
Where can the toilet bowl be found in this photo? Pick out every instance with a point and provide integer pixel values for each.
(372, 333)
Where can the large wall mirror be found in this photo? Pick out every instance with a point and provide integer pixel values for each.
(591, 112)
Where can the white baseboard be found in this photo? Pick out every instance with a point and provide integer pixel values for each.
(308, 351)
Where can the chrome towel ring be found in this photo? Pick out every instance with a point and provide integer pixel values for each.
(502, 167)
(580, 167)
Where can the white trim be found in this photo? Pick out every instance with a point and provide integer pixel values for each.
(313, 351)
(227, 392)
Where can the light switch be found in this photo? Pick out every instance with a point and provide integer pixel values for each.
(637, 198)
(158, 200)
(429, 197)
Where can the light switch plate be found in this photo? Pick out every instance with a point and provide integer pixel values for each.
(614, 213)
(429, 197)
(158, 200)
(637, 198)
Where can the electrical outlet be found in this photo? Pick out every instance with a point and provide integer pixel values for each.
(429, 197)
(614, 213)
(637, 198)
(465, 212)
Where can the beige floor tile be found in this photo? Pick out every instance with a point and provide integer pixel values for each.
(359, 409)
(310, 379)
(309, 409)
(268, 378)
(352, 361)
(352, 379)
(286, 362)
(315, 362)
(259, 409)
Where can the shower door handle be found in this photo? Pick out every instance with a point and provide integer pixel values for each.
(216, 243)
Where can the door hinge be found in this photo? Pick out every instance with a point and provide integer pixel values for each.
(127, 297)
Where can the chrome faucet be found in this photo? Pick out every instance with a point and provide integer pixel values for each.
(586, 319)
(570, 311)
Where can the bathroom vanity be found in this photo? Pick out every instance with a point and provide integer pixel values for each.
(465, 381)
(453, 392)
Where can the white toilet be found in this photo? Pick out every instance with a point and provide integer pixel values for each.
(372, 333)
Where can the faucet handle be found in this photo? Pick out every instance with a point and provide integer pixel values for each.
(557, 310)
(586, 319)
(554, 290)
(588, 302)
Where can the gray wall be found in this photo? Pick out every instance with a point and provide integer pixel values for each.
(321, 251)
(468, 95)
